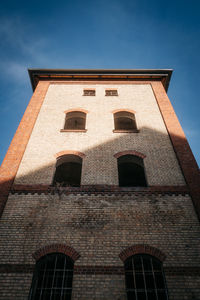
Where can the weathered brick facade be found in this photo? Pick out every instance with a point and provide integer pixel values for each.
(99, 224)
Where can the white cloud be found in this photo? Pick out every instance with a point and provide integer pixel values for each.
(29, 48)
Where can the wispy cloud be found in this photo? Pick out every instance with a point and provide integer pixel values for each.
(29, 48)
(17, 34)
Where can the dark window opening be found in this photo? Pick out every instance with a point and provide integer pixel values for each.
(75, 120)
(125, 121)
(89, 92)
(68, 171)
(111, 92)
(52, 278)
(145, 278)
(131, 171)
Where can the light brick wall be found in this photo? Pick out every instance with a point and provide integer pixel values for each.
(99, 143)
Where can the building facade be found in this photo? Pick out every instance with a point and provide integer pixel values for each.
(100, 192)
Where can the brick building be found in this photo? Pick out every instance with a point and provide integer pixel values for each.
(99, 192)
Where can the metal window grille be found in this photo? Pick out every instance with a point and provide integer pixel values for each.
(52, 279)
(88, 92)
(145, 279)
(111, 93)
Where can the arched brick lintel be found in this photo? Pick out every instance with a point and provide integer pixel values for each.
(68, 152)
(61, 248)
(76, 109)
(123, 110)
(131, 152)
(142, 249)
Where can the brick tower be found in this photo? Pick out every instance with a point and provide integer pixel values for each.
(100, 192)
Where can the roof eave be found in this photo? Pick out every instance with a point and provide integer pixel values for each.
(163, 75)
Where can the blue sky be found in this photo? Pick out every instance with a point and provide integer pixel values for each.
(100, 34)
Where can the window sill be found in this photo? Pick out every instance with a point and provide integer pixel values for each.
(73, 130)
(126, 131)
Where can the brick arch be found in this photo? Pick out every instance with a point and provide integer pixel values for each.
(61, 248)
(76, 109)
(68, 152)
(131, 152)
(142, 249)
(122, 110)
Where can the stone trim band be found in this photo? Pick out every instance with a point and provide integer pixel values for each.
(100, 189)
(100, 270)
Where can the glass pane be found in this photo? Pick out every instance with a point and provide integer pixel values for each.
(139, 281)
(138, 263)
(162, 295)
(129, 265)
(46, 295)
(42, 265)
(147, 264)
(66, 295)
(149, 281)
(56, 295)
(68, 281)
(50, 262)
(130, 280)
(159, 281)
(48, 281)
(40, 279)
(131, 295)
(152, 295)
(37, 294)
(60, 262)
(141, 295)
(156, 265)
(58, 279)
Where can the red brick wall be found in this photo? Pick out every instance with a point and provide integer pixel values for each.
(181, 147)
(18, 145)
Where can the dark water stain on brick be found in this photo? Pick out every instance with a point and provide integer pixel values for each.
(91, 220)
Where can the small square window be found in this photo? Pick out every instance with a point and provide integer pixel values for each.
(89, 92)
(111, 93)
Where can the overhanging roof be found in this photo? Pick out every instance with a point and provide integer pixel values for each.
(163, 75)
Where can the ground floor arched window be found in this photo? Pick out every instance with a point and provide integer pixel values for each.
(52, 279)
(145, 278)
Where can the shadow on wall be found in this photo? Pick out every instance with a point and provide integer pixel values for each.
(100, 166)
(88, 216)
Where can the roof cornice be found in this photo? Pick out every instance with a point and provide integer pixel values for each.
(162, 75)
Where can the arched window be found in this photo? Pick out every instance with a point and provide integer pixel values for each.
(125, 120)
(131, 171)
(52, 278)
(75, 120)
(145, 278)
(68, 170)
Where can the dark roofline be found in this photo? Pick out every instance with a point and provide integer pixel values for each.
(163, 75)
